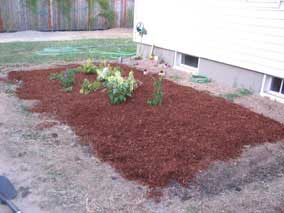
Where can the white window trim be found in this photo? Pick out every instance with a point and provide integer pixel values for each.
(275, 96)
(182, 67)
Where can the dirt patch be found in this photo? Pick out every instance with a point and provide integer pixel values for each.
(152, 145)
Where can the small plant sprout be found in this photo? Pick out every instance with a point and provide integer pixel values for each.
(69, 89)
(158, 92)
(88, 68)
(238, 94)
(88, 87)
(67, 78)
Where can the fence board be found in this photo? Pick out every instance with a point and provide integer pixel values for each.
(49, 15)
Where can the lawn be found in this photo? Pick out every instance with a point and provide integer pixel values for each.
(65, 51)
(153, 145)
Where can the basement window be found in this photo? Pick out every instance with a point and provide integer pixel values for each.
(189, 60)
(277, 85)
(273, 87)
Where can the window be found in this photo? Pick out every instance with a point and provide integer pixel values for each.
(277, 85)
(273, 87)
(189, 60)
(187, 63)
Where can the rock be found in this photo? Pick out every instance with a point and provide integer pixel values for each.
(54, 135)
(21, 154)
(114, 178)
(76, 158)
(25, 191)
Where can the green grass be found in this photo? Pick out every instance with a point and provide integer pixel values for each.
(65, 51)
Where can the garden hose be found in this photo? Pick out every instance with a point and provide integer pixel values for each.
(201, 79)
(69, 50)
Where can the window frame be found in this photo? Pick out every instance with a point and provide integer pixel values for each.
(266, 89)
(184, 67)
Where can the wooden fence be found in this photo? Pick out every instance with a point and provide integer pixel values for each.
(56, 15)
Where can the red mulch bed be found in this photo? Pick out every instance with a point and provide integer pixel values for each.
(152, 145)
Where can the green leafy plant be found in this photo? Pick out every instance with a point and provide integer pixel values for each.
(119, 88)
(88, 87)
(67, 78)
(240, 93)
(105, 71)
(69, 89)
(245, 92)
(158, 92)
(88, 68)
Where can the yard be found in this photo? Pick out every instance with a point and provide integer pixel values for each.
(65, 51)
(70, 148)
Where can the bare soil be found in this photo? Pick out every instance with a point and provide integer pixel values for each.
(152, 145)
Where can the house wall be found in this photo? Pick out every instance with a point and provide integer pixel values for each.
(243, 33)
(167, 55)
(223, 73)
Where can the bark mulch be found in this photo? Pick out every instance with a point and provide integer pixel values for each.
(152, 145)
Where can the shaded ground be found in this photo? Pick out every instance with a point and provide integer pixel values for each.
(56, 174)
(26, 36)
(152, 145)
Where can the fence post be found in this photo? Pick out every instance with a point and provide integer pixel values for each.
(1, 23)
(124, 19)
(49, 15)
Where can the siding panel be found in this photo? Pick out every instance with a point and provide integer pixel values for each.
(248, 34)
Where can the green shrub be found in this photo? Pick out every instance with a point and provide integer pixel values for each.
(67, 78)
(88, 68)
(88, 87)
(158, 93)
(104, 72)
(119, 88)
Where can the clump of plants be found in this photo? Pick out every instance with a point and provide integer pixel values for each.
(240, 93)
(158, 92)
(119, 88)
(88, 87)
(104, 72)
(88, 68)
(67, 78)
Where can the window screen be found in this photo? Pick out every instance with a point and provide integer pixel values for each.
(276, 84)
(189, 60)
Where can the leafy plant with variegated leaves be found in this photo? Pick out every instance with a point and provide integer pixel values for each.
(88, 87)
(119, 88)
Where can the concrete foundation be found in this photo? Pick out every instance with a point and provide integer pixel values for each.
(223, 73)
(167, 56)
(230, 75)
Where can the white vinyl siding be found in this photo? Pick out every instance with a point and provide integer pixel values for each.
(244, 33)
